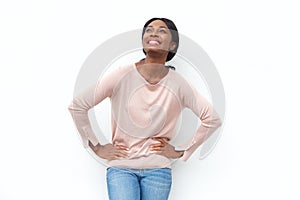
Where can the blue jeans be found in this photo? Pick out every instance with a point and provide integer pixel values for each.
(138, 184)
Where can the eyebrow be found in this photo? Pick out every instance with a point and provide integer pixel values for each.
(159, 27)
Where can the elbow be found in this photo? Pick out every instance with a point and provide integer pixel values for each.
(78, 105)
(214, 122)
(72, 109)
(71, 106)
(217, 121)
(74, 106)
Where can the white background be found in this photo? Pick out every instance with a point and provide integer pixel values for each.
(254, 44)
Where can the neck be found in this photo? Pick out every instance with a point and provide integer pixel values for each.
(153, 70)
(155, 59)
(154, 65)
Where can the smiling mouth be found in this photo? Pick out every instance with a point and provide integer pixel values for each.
(153, 42)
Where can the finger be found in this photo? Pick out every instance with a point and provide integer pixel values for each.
(159, 152)
(121, 153)
(161, 140)
(157, 148)
(117, 157)
(157, 145)
(121, 147)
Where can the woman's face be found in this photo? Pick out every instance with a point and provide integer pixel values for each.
(158, 38)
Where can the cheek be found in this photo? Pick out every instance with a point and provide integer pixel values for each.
(144, 39)
(167, 38)
(167, 42)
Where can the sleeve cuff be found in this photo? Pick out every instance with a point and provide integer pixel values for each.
(88, 136)
(188, 150)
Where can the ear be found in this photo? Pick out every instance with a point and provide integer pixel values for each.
(172, 46)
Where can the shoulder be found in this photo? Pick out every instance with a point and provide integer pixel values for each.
(183, 87)
(119, 70)
(179, 80)
(115, 73)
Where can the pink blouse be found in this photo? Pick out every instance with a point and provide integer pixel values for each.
(142, 111)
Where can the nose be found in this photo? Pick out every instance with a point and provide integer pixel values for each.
(153, 35)
(154, 32)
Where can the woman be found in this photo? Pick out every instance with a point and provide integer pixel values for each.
(147, 98)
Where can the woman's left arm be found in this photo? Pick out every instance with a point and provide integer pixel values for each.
(210, 120)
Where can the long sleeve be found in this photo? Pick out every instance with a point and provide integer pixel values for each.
(210, 120)
(82, 103)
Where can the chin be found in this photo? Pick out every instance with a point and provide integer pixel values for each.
(154, 50)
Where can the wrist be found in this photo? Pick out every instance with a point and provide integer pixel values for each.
(179, 154)
(94, 148)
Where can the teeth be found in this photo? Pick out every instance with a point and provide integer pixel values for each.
(153, 42)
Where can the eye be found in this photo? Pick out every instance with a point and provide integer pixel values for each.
(162, 31)
(148, 30)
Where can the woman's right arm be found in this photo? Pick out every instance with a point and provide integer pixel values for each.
(92, 96)
(79, 108)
